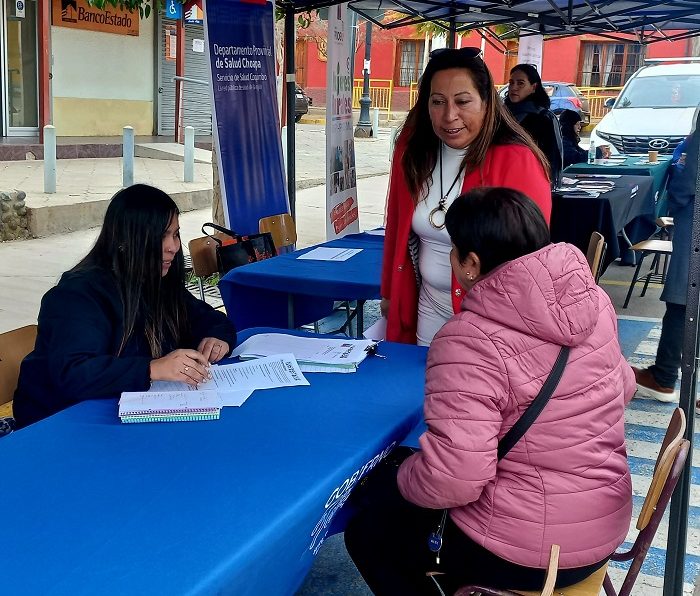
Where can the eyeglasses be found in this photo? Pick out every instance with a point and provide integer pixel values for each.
(466, 52)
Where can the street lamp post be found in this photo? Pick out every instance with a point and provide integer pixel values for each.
(364, 125)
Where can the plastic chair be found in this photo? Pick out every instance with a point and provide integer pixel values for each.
(14, 346)
(282, 228)
(595, 254)
(667, 470)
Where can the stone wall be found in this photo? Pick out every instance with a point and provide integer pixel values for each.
(14, 223)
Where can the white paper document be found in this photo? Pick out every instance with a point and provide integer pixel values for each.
(226, 397)
(323, 253)
(234, 383)
(312, 353)
(280, 370)
(377, 332)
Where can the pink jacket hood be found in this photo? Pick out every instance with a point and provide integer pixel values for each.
(567, 480)
(549, 294)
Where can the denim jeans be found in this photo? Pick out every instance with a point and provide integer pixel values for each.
(670, 350)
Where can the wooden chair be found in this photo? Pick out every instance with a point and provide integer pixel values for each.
(658, 248)
(596, 253)
(669, 466)
(668, 469)
(282, 228)
(203, 258)
(14, 346)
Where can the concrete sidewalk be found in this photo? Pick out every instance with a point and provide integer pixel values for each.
(84, 186)
(29, 268)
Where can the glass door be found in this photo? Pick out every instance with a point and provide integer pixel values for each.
(19, 68)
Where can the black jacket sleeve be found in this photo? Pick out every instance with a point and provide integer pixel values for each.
(206, 321)
(80, 332)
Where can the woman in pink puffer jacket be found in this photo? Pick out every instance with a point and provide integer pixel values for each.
(567, 480)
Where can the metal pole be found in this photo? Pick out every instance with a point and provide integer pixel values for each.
(375, 122)
(290, 70)
(680, 501)
(452, 34)
(128, 157)
(364, 125)
(49, 159)
(189, 153)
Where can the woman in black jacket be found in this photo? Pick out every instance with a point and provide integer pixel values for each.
(122, 317)
(529, 103)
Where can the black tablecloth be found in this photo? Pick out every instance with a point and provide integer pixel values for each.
(628, 206)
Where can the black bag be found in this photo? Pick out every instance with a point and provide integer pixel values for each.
(235, 250)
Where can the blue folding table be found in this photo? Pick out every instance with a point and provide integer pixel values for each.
(237, 506)
(289, 292)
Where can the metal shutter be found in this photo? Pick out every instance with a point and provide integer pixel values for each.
(196, 98)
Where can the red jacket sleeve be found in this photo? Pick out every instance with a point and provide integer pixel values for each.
(393, 204)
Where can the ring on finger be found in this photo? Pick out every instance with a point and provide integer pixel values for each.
(187, 368)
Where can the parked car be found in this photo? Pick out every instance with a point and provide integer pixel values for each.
(654, 110)
(564, 96)
(301, 103)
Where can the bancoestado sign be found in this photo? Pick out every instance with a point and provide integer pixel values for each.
(78, 14)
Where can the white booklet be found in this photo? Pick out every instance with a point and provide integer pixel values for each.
(170, 403)
(323, 253)
(312, 353)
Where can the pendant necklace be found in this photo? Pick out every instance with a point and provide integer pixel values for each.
(441, 207)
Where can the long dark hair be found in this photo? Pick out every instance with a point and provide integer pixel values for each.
(422, 144)
(130, 245)
(539, 97)
(497, 224)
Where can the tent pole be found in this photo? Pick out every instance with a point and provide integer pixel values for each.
(678, 522)
(290, 81)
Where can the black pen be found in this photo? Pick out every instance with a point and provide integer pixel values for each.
(371, 350)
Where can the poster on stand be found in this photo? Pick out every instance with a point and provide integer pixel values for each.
(240, 40)
(342, 215)
(530, 51)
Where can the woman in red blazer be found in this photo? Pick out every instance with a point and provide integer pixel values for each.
(457, 137)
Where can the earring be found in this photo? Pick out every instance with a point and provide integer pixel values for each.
(471, 276)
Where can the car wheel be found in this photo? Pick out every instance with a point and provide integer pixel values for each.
(297, 117)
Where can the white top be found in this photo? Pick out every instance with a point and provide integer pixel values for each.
(435, 300)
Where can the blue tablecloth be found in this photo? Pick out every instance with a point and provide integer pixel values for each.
(256, 295)
(236, 506)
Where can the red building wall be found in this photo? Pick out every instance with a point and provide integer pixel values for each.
(561, 59)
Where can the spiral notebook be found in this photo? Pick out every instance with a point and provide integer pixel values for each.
(169, 406)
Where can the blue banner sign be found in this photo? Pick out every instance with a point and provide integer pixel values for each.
(240, 39)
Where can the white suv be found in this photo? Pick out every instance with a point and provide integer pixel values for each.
(654, 110)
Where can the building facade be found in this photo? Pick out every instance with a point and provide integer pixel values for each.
(398, 55)
(90, 72)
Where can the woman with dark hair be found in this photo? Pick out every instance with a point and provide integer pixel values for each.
(122, 317)
(456, 137)
(570, 123)
(459, 507)
(528, 101)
